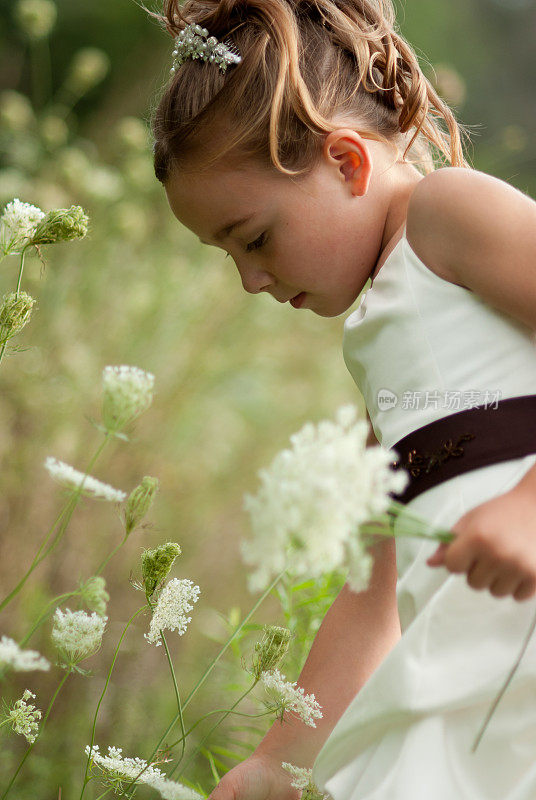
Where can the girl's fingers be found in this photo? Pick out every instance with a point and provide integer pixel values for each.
(525, 590)
(481, 574)
(504, 585)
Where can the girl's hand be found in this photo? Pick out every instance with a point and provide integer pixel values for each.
(259, 777)
(495, 545)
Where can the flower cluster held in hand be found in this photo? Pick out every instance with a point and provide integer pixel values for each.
(303, 779)
(313, 498)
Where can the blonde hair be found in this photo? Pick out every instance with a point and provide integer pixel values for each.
(304, 62)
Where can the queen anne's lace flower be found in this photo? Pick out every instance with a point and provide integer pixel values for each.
(72, 478)
(127, 392)
(119, 769)
(292, 697)
(21, 660)
(23, 717)
(171, 609)
(312, 500)
(76, 634)
(17, 225)
(303, 779)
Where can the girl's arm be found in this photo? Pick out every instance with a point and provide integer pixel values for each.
(355, 636)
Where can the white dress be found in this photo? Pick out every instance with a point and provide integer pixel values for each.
(431, 348)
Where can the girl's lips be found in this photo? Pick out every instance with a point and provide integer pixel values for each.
(298, 301)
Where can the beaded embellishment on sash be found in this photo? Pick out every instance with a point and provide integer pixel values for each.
(421, 463)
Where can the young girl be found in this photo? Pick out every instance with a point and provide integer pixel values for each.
(283, 137)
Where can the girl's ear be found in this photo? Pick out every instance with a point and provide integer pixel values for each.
(345, 150)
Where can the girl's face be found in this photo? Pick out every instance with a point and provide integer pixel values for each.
(320, 235)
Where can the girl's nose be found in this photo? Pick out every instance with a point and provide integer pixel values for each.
(254, 280)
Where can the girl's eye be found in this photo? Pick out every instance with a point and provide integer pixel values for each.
(257, 243)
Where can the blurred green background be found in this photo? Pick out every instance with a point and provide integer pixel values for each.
(235, 375)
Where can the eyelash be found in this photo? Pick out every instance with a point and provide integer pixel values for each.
(254, 245)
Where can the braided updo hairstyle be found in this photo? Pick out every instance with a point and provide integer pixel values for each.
(304, 62)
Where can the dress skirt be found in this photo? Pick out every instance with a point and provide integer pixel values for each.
(408, 734)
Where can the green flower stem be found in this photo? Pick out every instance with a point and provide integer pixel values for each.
(66, 512)
(20, 270)
(86, 779)
(66, 509)
(208, 671)
(505, 686)
(5, 721)
(177, 695)
(221, 711)
(209, 733)
(114, 551)
(28, 751)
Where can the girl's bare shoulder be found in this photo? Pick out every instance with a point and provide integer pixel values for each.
(479, 232)
(423, 219)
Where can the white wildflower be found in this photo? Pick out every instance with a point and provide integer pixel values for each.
(312, 500)
(119, 769)
(303, 779)
(76, 634)
(17, 225)
(72, 478)
(21, 660)
(127, 392)
(23, 717)
(292, 697)
(172, 607)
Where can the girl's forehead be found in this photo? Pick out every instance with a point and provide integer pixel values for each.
(220, 195)
(207, 202)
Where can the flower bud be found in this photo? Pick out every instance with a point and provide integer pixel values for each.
(94, 595)
(15, 313)
(88, 68)
(61, 225)
(156, 564)
(139, 502)
(270, 650)
(36, 17)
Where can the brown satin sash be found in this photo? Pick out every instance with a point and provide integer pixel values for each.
(469, 439)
